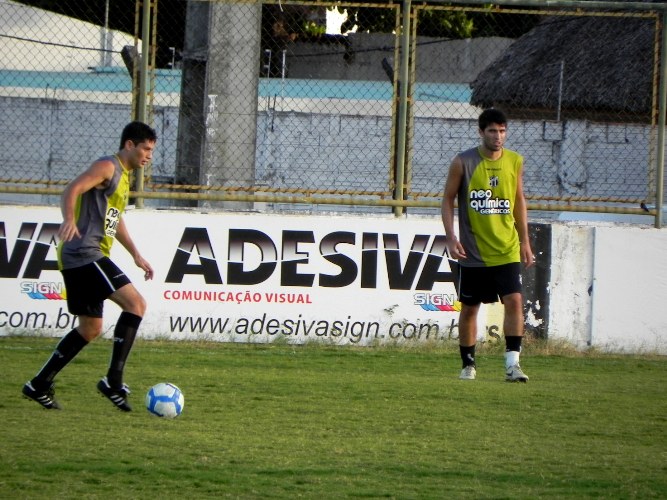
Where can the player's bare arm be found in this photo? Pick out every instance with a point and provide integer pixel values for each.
(452, 185)
(97, 175)
(521, 221)
(123, 237)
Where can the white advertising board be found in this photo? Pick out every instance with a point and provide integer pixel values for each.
(251, 278)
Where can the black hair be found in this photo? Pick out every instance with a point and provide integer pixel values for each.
(490, 116)
(137, 132)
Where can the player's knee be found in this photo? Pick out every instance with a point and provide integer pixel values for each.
(469, 311)
(131, 301)
(513, 301)
(138, 306)
(89, 332)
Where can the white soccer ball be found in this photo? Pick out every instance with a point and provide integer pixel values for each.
(165, 400)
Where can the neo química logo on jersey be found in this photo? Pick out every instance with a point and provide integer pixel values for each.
(483, 202)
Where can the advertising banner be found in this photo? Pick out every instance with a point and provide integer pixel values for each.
(238, 277)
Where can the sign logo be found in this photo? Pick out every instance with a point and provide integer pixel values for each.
(437, 302)
(43, 290)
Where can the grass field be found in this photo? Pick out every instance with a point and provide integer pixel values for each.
(280, 421)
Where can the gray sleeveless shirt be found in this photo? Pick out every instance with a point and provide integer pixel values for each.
(97, 216)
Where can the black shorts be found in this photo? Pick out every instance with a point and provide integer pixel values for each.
(487, 284)
(88, 286)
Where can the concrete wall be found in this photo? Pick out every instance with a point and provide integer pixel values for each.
(358, 56)
(337, 151)
(568, 158)
(608, 287)
(571, 286)
(56, 140)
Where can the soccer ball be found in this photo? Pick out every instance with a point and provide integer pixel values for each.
(165, 400)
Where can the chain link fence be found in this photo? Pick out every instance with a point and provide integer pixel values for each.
(315, 106)
(295, 124)
(580, 88)
(63, 93)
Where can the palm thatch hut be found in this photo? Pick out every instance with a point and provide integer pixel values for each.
(597, 68)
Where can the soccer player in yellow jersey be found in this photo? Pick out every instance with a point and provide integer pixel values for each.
(92, 206)
(486, 182)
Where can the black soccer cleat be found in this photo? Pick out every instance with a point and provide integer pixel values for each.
(45, 398)
(117, 396)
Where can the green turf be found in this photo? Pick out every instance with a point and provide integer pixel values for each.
(280, 421)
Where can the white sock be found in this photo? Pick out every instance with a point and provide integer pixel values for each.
(511, 358)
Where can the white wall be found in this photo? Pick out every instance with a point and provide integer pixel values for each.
(29, 34)
(342, 152)
(569, 158)
(571, 283)
(629, 311)
(608, 285)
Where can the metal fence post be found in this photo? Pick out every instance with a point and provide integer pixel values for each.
(143, 86)
(402, 107)
(660, 162)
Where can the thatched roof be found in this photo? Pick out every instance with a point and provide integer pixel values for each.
(607, 70)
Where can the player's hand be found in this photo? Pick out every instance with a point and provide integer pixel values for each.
(143, 264)
(68, 231)
(455, 249)
(527, 256)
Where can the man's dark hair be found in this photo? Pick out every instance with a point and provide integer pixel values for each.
(490, 116)
(137, 132)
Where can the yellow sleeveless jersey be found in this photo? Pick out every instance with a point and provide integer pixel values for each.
(486, 208)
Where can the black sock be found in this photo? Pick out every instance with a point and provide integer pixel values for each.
(467, 355)
(68, 347)
(513, 343)
(123, 338)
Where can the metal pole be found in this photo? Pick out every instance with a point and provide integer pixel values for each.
(560, 89)
(105, 59)
(283, 73)
(662, 105)
(143, 84)
(145, 49)
(402, 107)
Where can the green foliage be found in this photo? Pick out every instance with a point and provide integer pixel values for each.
(441, 24)
(312, 29)
(268, 421)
